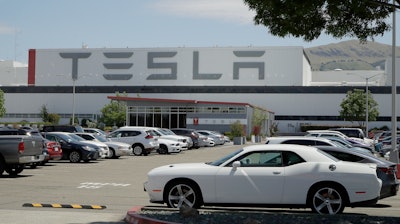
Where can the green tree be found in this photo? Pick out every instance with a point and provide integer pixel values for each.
(2, 101)
(48, 117)
(114, 113)
(308, 19)
(353, 107)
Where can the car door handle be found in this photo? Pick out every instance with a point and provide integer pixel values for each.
(276, 172)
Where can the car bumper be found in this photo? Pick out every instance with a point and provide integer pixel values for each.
(32, 159)
(174, 149)
(123, 152)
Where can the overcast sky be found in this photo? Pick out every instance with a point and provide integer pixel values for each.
(43, 24)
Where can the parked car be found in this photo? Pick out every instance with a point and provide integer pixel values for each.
(325, 133)
(115, 149)
(53, 150)
(267, 175)
(101, 147)
(50, 150)
(217, 138)
(141, 139)
(163, 134)
(73, 149)
(168, 146)
(356, 134)
(300, 140)
(385, 170)
(62, 128)
(95, 131)
(197, 143)
(169, 132)
(350, 144)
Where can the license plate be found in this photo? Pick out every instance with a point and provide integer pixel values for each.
(56, 149)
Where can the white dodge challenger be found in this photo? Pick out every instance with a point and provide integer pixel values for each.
(273, 175)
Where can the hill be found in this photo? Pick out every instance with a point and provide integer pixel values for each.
(350, 55)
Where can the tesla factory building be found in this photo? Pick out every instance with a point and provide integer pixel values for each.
(192, 82)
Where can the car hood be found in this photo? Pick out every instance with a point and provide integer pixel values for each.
(181, 168)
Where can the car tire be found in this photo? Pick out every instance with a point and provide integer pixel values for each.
(327, 199)
(137, 150)
(111, 154)
(163, 149)
(2, 166)
(14, 170)
(183, 193)
(74, 157)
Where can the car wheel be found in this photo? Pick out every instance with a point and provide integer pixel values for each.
(327, 200)
(74, 157)
(111, 154)
(163, 149)
(183, 193)
(137, 150)
(15, 169)
(2, 166)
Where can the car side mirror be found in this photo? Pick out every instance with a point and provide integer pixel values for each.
(236, 164)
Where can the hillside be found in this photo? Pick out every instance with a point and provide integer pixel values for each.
(350, 55)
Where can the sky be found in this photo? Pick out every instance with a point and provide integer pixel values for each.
(54, 24)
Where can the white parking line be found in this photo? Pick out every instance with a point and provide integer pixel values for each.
(93, 185)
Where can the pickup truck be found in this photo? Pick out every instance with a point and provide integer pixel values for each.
(18, 150)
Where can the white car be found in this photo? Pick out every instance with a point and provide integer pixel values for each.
(163, 134)
(116, 149)
(171, 133)
(168, 146)
(217, 138)
(267, 175)
(141, 139)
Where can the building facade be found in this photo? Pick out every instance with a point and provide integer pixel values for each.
(280, 79)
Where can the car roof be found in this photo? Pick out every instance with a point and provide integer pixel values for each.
(308, 153)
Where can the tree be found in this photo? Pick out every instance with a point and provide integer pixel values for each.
(353, 107)
(362, 19)
(2, 108)
(48, 117)
(114, 113)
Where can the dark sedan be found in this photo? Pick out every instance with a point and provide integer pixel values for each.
(386, 170)
(72, 149)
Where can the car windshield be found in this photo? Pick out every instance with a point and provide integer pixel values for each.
(340, 143)
(76, 137)
(168, 132)
(225, 158)
(100, 138)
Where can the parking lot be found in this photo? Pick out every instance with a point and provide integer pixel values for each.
(107, 189)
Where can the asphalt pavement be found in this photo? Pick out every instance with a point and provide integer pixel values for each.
(103, 191)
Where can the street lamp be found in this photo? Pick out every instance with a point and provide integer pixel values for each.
(366, 97)
(73, 100)
(366, 103)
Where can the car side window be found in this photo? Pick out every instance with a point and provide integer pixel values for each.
(345, 156)
(291, 158)
(299, 142)
(262, 159)
(321, 143)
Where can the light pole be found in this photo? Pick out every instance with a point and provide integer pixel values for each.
(366, 103)
(73, 101)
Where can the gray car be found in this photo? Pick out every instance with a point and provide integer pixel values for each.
(385, 170)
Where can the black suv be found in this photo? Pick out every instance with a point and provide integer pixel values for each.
(62, 128)
(193, 134)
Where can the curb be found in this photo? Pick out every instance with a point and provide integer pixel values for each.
(76, 206)
(133, 217)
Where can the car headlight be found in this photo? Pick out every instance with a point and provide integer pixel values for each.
(88, 148)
